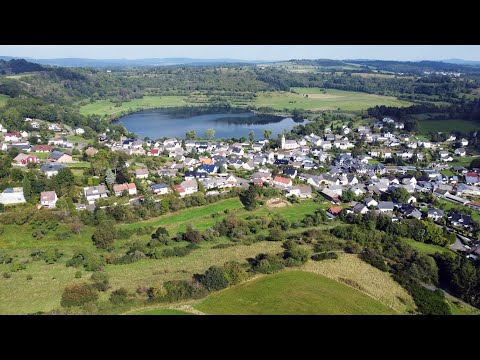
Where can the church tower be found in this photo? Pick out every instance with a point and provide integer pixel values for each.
(283, 141)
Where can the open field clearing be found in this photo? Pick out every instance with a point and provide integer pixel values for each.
(3, 99)
(161, 312)
(462, 161)
(428, 249)
(106, 107)
(332, 99)
(291, 292)
(433, 126)
(350, 270)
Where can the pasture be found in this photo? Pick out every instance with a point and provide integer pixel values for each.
(291, 293)
(106, 107)
(318, 101)
(432, 126)
(3, 99)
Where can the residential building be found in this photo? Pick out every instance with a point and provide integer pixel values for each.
(48, 199)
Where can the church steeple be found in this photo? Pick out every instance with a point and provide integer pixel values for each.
(283, 141)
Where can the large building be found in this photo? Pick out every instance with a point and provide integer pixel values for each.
(289, 144)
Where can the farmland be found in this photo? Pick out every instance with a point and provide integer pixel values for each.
(432, 126)
(106, 107)
(291, 292)
(318, 101)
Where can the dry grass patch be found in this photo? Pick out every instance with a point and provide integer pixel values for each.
(276, 203)
(352, 271)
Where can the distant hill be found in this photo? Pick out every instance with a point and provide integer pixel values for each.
(18, 66)
(102, 63)
(462, 62)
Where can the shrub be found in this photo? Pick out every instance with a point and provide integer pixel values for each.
(223, 246)
(16, 266)
(276, 234)
(267, 264)
(214, 279)
(51, 256)
(101, 281)
(234, 272)
(324, 256)
(192, 235)
(78, 275)
(5, 259)
(78, 294)
(7, 275)
(373, 258)
(183, 289)
(119, 296)
(156, 292)
(104, 235)
(29, 277)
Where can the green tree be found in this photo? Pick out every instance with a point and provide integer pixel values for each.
(110, 177)
(63, 182)
(249, 198)
(27, 188)
(190, 134)
(267, 133)
(104, 235)
(210, 133)
(400, 194)
(235, 272)
(251, 136)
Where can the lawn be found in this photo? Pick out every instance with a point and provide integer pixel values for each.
(40, 155)
(462, 161)
(351, 270)
(428, 249)
(316, 101)
(79, 164)
(448, 126)
(106, 107)
(291, 292)
(3, 99)
(78, 139)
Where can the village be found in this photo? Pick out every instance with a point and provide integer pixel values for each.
(314, 165)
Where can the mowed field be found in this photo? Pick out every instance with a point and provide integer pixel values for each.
(106, 107)
(433, 126)
(294, 293)
(331, 100)
(3, 99)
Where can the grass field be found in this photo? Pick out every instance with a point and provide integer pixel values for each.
(39, 155)
(162, 312)
(332, 100)
(78, 139)
(106, 107)
(291, 292)
(462, 161)
(3, 99)
(349, 269)
(433, 126)
(458, 308)
(79, 164)
(428, 249)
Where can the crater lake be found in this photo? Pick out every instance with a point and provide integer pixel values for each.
(175, 122)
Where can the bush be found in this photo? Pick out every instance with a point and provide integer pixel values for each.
(101, 281)
(234, 272)
(192, 235)
(7, 275)
(223, 246)
(29, 277)
(214, 279)
(183, 290)
(324, 256)
(267, 264)
(78, 294)
(276, 234)
(78, 275)
(16, 266)
(104, 235)
(5, 259)
(373, 258)
(119, 296)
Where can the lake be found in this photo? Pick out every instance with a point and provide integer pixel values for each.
(158, 123)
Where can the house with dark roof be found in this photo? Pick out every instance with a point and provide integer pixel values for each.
(459, 220)
(159, 189)
(385, 206)
(51, 169)
(60, 157)
(290, 171)
(209, 169)
(435, 214)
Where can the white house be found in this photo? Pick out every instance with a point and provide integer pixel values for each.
(289, 144)
(464, 142)
(460, 152)
(119, 189)
(48, 199)
(93, 193)
(79, 131)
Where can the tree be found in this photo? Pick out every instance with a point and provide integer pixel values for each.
(400, 194)
(249, 198)
(27, 188)
(110, 177)
(192, 235)
(251, 136)
(348, 195)
(214, 279)
(210, 133)
(190, 134)
(104, 235)
(78, 294)
(63, 182)
(267, 133)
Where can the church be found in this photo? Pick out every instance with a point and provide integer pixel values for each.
(289, 144)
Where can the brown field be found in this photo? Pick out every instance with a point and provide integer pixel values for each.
(352, 271)
(276, 203)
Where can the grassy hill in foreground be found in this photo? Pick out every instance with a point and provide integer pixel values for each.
(292, 292)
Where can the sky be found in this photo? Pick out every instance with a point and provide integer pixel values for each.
(247, 52)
